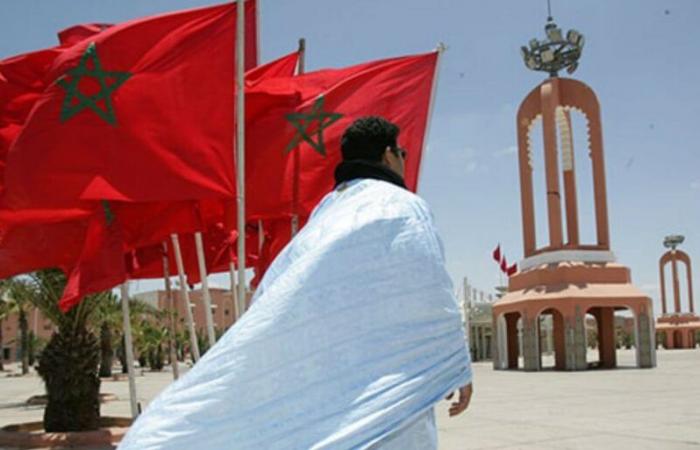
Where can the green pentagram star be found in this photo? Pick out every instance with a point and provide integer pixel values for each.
(303, 121)
(70, 81)
(109, 214)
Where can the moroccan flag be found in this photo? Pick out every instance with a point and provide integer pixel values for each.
(281, 67)
(23, 78)
(143, 111)
(308, 114)
(219, 249)
(57, 236)
(504, 264)
(76, 33)
(22, 81)
(497, 254)
(512, 269)
(38, 239)
(100, 265)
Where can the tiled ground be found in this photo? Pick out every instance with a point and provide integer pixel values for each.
(618, 409)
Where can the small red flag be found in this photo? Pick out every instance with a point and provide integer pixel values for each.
(76, 33)
(504, 264)
(101, 262)
(512, 269)
(497, 254)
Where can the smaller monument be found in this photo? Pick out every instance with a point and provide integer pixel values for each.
(677, 329)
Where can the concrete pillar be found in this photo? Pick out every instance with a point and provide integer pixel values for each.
(531, 354)
(550, 102)
(575, 341)
(500, 347)
(644, 340)
(512, 340)
(480, 344)
(606, 337)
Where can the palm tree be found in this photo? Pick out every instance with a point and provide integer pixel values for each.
(138, 312)
(18, 295)
(4, 314)
(152, 338)
(108, 318)
(68, 364)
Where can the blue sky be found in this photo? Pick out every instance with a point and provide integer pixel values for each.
(641, 57)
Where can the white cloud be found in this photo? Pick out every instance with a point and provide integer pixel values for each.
(510, 150)
(466, 159)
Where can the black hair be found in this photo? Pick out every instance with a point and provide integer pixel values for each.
(367, 138)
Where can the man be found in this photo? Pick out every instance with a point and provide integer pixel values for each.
(354, 333)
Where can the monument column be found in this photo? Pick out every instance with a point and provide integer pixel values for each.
(531, 354)
(676, 284)
(662, 279)
(550, 100)
(688, 273)
(568, 166)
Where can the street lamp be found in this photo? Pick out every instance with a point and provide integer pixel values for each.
(673, 241)
(554, 53)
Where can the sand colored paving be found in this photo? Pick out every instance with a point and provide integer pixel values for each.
(627, 408)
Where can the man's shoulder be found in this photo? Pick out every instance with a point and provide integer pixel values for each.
(393, 199)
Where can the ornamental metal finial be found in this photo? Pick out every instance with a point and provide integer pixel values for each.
(673, 241)
(554, 53)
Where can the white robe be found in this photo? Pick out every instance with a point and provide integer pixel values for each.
(354, 334)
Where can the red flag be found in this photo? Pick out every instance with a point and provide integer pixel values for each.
(281, 67)
(219, 250)
(143, 111)
(512, 269)
(21, 84)
(57, 236)
(504, 264)
(101, 262)
(309, 113)
(76, 33)
(497, 254)
(38, 239)
(278, 233)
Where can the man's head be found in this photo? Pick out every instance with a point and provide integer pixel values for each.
(373, 139)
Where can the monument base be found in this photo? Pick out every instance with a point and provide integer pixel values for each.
(567, 291)
(678, 331)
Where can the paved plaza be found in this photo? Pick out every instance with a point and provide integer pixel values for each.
(626, 408)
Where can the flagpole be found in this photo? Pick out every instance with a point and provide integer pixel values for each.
(171, 307)
(234, 289)
(129, 349)
(186, 297)
(440, 50)
(240, 149)
(297, 156)
(199, 245)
